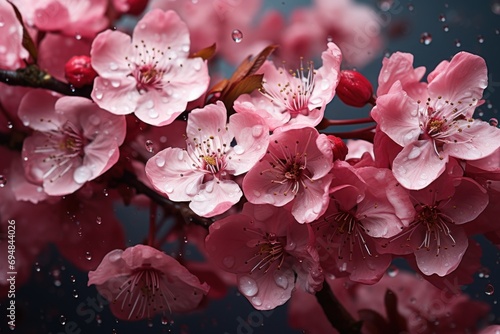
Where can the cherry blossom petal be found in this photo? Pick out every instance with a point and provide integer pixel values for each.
(215, 198)
(176, 179)
(443, 258)
(151, 31)
(417, 165)
(474, 140)
(396, 113)
(469, 200)
(465, 77)
(252, 137)
(108, 53)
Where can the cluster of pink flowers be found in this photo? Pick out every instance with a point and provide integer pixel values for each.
(287, 208)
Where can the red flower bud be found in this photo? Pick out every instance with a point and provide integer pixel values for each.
(79, 72)
(339, 148)
(354, 89)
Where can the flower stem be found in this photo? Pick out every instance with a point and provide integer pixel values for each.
(338, 316)
(329, 122)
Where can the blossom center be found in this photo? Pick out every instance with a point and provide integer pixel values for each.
(60, 149)
(148, 67)
(270, 251)
(436, 227)
(144, 293)
(289, 169)
(293, 91)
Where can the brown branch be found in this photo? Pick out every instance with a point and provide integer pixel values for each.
(33, 76)
(338, 316)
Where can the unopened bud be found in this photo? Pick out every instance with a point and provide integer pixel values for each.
(132, 7)
(79, 72)
(354, 89)
(339, 148)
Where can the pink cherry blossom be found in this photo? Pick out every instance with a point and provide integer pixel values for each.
(433, 129)
(12, 53)
(74, 18)
(424, 308)
(74, 141)
(202, 173)
(150, 74)
(141, 282)
(367, 204)
(436, 235)
(269, 251)
(294, 170)
(297, 98)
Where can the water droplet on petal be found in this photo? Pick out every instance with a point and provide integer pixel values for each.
(426, 38)
(180, 155)
(256, 301)
(248, 286)
(78, 37)
(152, 113)
(414, 153)
(239, 149)
(257, 130)
(228, 262)
(237, 35)
(82, 174)
(325, 84)
(98, 95)
(281, 281)
(3, 181)
(115, 84)
(490, 289)
(113, 66)
(169, 189)
(160, 161)
(149, 146)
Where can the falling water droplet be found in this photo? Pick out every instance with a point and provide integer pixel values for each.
(411, 7)
(446, 28)
(98, 220)
(493, 122)
(392, 271)
(149, 146)
(73, 278)
(237, 35)
(442, 18)
(164, 320)
(75, 294)
(3, 181)
(10, 125)
(425, 38)
(495, 7)
(490, 289)
(62, 320)
(88, 256)
(480, 39)
(98, 319)
(458, 43)
(484, 272)
(385, 5)
(78, 37)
